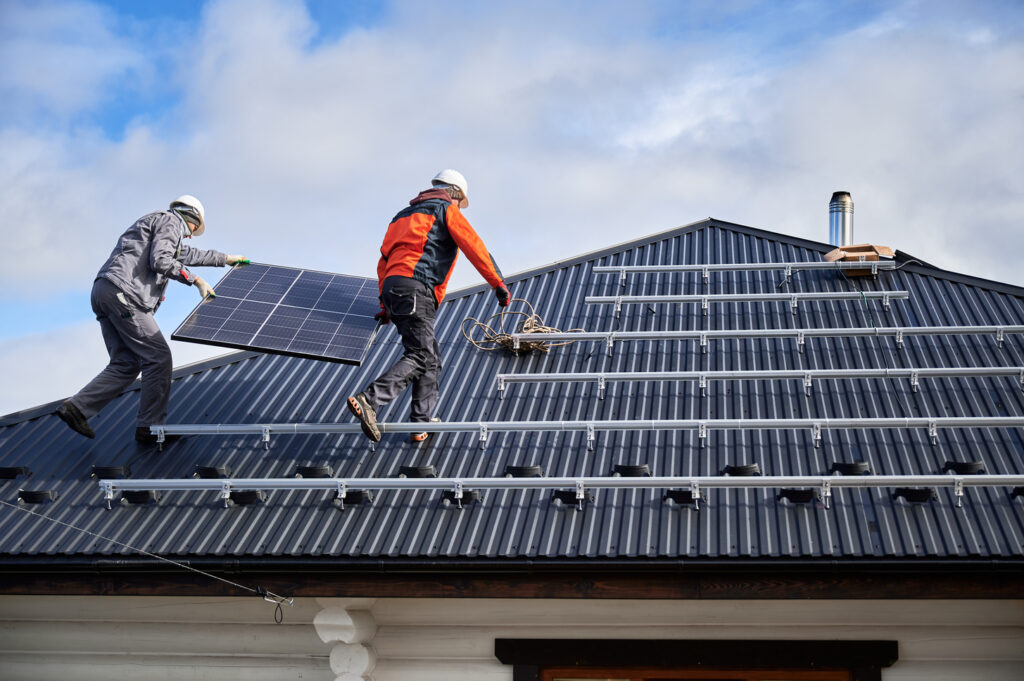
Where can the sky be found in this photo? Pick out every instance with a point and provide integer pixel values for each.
(305, 126)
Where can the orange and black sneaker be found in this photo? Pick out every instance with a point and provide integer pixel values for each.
(420, 437)
(366, 414)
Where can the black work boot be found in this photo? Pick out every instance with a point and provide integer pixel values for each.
(366, 414)
(70, 415)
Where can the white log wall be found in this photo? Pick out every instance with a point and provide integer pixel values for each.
(209, 639)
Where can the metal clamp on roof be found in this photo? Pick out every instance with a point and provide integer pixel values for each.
(108, 491)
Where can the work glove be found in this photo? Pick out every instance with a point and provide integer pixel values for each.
(204, 288)
(236, 260)
(382, 316)
(502, 294)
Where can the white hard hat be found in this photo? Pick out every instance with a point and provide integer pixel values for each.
(456, 179)
(190, 205)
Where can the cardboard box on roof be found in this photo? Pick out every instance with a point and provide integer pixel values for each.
(859, 252)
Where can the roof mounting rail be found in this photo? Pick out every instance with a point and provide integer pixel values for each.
(589, 428)
(573, 490)
(792, 298)
(806, 375)
(610, 337)
(788, 267)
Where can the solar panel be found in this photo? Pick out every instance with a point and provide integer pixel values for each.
(287, 311)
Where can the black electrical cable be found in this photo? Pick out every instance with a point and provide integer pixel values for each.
(259, 591)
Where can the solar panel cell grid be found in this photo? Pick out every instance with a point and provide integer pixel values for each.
(287, 311)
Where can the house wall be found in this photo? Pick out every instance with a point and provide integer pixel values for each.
(208, 639)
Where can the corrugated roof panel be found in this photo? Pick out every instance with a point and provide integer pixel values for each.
(249, 388)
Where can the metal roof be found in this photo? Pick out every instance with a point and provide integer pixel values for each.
(738, 523)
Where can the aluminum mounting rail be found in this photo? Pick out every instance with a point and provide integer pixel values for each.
(792, 298)
(807, 375)
(899, 332)
(591, 428)
(459, 486)
(789, 267)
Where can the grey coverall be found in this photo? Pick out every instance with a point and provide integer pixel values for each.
(127, 291)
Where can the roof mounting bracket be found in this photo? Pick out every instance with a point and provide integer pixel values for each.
(611, 343)
(958, 490)
(501, 387)
(581, 494)
(801, 340)
(999, 336)
(704, 344)
(601, 382)
(590, 437)
(483, 435)
(808, 384)
(266, 437)
(225, 493)
(899, 339)
(703, 385)
(933, 432)
(108, 491)
(793, 304)
(816, 435)
(702, 434)
(342, 491)
(826, 493)
(704, 306)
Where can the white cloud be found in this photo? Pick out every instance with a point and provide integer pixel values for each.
(575, 127)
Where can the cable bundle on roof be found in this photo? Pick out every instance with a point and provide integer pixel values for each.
(494, 339)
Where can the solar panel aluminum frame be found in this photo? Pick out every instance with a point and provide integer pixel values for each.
(179, 335)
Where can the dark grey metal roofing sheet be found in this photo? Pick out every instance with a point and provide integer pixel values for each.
(863, 523)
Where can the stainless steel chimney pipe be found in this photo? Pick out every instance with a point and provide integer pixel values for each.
(840, 219)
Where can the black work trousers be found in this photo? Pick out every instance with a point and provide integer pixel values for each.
(411, 306)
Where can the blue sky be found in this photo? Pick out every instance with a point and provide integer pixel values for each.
(304, 126)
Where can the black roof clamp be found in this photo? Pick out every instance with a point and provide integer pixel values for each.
(12, 472)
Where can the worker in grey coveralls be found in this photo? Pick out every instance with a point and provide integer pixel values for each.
(127, 291)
